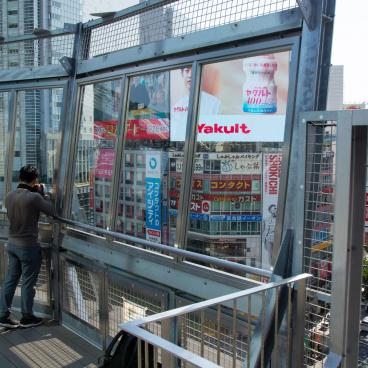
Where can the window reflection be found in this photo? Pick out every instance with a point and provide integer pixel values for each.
(38, 134)
(240, 130)
(146, 209)
(96, 153)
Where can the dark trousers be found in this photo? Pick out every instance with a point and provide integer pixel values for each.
(24, 262)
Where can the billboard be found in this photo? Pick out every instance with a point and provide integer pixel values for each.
(242, 100)
(104, 163)
(148, 115)
(105, 129)
(271, 180)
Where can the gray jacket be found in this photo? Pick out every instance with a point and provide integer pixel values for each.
(23, 208)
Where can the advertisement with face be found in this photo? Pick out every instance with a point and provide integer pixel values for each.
(242, 100)
(148, 116)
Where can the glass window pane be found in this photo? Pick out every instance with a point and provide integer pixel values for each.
(38, 133)
(153, 156)
(96, 153)
(4, 119)
(240, 132)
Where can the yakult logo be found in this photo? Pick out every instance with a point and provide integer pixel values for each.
(223, 129)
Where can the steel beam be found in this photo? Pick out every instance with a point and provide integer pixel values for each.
(185, 276)
(276, 23)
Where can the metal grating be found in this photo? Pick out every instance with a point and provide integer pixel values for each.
(35, 53)
(202, 335)
(81, 293)
(226, 331)
(363, 340)
(127, 301)
(173, 19)
(318, 237)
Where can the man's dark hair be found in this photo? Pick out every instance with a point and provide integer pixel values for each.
(28, 173)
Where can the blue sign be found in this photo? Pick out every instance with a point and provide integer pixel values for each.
(153, 163)
(153, 203)
(220, 218)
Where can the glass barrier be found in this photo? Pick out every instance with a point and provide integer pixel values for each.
(4, 120)
(38, 133)
(96, 153)
(152, 165)
(240, 133)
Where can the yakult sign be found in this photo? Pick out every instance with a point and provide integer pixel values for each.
(238, 128)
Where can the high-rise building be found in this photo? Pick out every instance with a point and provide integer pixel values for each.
(38, 110)
(335, 95)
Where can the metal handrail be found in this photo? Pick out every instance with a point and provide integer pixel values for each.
(218, 300)
(169, 249)
(135, 327)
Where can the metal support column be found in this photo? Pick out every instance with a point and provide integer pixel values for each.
(348, 239)
(189, 155)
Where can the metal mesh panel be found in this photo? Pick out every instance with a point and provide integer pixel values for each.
(174, 19)
(222, 335)
(363, 343)
(34, 53)
(42, 288)
(203, 336)
(81, 293)
(318, 236)
(127, 302)
(223, 332)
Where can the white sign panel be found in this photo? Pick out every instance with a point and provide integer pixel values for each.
(236, 128)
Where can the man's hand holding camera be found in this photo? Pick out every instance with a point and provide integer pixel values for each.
(39, 188)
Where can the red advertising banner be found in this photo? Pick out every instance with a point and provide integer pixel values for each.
(231, 185)
(153, 128)
(104, 164)
(105, 129)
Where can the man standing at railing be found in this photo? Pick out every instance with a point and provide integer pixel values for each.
(24, 205)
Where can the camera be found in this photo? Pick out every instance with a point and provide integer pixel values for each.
(40, 188)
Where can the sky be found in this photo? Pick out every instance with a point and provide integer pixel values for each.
(349, 46)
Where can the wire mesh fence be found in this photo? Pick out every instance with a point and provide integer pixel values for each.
(128, 301)
(225, 331)
(318, 237)
(81, 296)
(36, 52)
(173, 19)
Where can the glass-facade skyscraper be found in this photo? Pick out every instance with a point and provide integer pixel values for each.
(38, 110)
